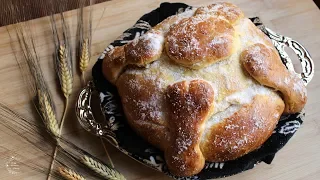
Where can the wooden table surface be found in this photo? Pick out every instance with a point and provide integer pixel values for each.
(298, 19)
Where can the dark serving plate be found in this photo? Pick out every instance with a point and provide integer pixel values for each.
(116, 129)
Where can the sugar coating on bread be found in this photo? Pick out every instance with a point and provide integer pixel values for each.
(261, 63)
(193, 102)
(224, 10)
(144, 50)
(200, 41)
(203, 85)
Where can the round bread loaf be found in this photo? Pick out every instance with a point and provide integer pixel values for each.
(203, 85)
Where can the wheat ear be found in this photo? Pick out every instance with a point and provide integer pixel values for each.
(65, 76)
(84, 57)
(66, 73)
(47, 112)
(63, 64)
(102, 169)
(69, 174)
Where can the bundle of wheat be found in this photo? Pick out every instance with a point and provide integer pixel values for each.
(44, 104)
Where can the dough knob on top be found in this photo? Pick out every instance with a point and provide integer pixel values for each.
(200, 41)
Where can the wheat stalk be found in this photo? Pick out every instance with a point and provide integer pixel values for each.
(85, 51)
(66, 81)
(69, 174)
(84, 57)
(50, 120)
(85, 40)
(71, 155)
(65, 75)
(63, 61)
(102, 169)
(36, 82)
(63, 64)
(39, 88)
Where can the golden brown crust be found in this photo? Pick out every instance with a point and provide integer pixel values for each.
(228, 11)
(249, 34)
(144, 107)
(144, 50)
(140, 52)
(114, 63)
(165, 25)
(264, 64)
(199, 41)
(189, 105)
(244, 131)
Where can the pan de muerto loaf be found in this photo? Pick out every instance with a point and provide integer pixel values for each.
(203, 85)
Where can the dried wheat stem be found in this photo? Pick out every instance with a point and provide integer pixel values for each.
(84, 57)
(64, 113)
(58, 141)
(52, 162)
(69, 174)
(83, 78)
(65, 76)
(102, 169)
(107, 153)
(66, 82)
(50, 120)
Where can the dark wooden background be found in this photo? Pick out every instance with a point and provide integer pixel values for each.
(13, 11)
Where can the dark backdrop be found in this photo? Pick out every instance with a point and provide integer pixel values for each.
(31, 9)
(12, 11)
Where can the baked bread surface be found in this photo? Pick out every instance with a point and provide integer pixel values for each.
(203, 85)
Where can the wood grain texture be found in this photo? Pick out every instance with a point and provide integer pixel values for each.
(298, 19)
(32, 9)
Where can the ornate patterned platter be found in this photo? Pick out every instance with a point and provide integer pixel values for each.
(118, 132)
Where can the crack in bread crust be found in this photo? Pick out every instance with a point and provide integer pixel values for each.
(244, 131)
